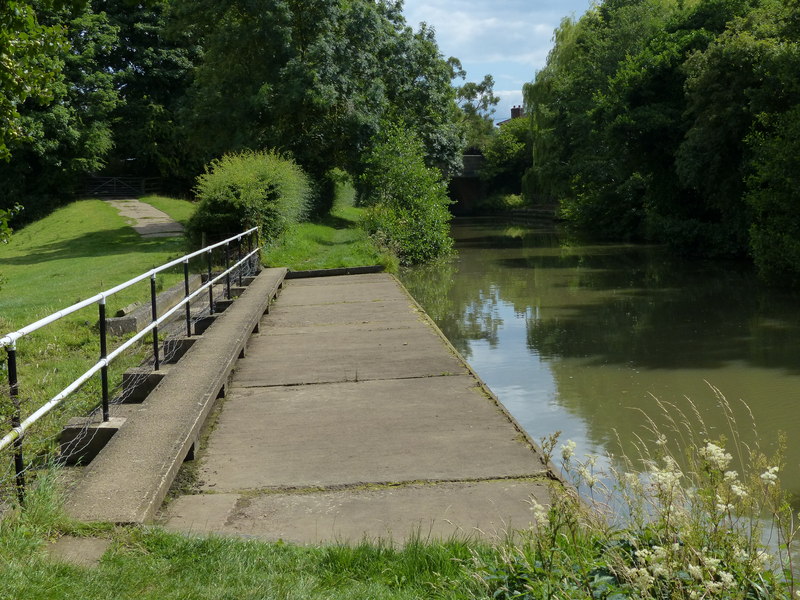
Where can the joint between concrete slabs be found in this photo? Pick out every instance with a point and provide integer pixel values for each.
(542, 477)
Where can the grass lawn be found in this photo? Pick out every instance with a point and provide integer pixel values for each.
(180, 210)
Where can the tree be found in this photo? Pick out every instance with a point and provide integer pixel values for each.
(153, 65)
(508, 155)
(407, 203)
(69, 137)
(315, 79)
(477, 102)
(29, 65)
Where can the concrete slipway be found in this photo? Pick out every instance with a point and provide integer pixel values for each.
(351, 417)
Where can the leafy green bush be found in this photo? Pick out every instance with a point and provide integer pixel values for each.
(242, 190)
(498, 203)
(407, 201)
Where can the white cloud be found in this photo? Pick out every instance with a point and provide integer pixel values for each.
(508, 38)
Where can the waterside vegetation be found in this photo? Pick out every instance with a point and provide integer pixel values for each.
(675, 121)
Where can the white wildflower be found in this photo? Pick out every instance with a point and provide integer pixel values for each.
(662, 440)
(713, 587)
(770, 476)
(641, 578)
(696, 572)
(659, 571)
(643, 555)
(722, 505)
(762, 558)
(738, 490)
(710, 563)
(668, 477)
(715, 456)
(540, 515)
(659, 553)
(731, 476)
(726, 579)
(588, 478)
(567, 450)
(739, 554)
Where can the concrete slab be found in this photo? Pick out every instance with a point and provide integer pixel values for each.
(84, 552)
(436, 428)
(343, 280)
(201, 513)
(491, 510)
(381, 287)
(347, 353)
(308, 318)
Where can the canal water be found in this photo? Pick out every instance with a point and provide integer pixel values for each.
(595, 340)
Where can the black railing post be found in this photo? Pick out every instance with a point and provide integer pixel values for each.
(154, 306)
(239, 258)
(227, 270)
(16, 419)
(249, 250)
(103, 356)
(210, 286)
(186, 290)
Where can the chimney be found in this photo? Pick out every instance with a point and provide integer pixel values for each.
(516, 112)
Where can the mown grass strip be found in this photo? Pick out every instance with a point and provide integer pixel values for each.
(334, 241)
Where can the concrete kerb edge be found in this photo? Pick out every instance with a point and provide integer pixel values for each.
(335, 272)
(244, 316)
(552, 471)
(220, 379)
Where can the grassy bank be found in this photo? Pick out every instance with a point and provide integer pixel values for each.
(72, 254)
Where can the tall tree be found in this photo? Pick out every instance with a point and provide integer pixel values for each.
(70, 136)
(29, 65)
(153, 67)
(315, 79)
(477, 102)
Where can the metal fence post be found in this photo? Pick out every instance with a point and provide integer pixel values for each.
(228, 270)
(156, 362)
(249, 250)
(186, 290)
(103, 356)
(239, 258)
(210, 287)
(16, 418)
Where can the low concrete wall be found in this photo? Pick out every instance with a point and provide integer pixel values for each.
(139, 317)
(128, 480)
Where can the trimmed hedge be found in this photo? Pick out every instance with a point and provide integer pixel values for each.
(245, 189)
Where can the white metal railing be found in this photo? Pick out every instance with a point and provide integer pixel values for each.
(9, 341)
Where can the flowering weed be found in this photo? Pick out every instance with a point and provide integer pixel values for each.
(712, 523)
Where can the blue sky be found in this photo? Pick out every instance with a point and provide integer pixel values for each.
(508, 39)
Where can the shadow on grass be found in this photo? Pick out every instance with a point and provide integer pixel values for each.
(122, 240)
(335, 222)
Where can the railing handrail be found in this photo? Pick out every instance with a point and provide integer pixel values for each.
(10, 339)
(18, 431)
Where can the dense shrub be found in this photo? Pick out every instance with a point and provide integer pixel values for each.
(243, 190)
(407, 201)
